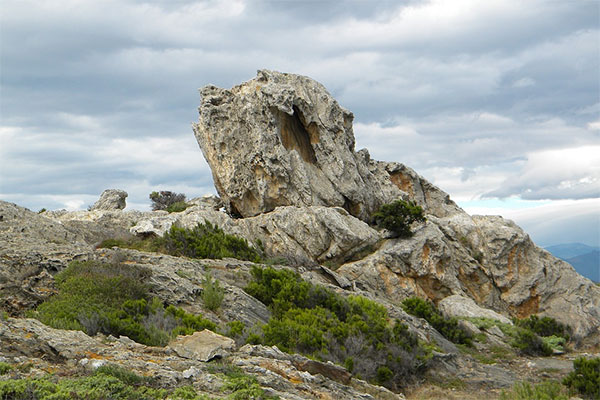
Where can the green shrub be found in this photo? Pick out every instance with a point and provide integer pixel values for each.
(235, 329)
(384, 374)
(177, 207)
(207, 241)
(212, 293)
(531, 344)
(549, 390)
(448, 327)
(545, 326)
(352, 331)
(585, 378)
(5, 368)
(398, 217)
(164, 199)
(112, 298)
(98, 386)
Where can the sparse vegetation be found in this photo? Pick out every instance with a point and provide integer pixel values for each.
(448, 327)
(549, 390)
(117, 383)
(398, 217)
(545, 326)
(207, 241)
(106, 383)
(352, 331)
(203, 241)
(212, 293)
(111, 298)
(531, 336)
(164, 199)
(585, 378)
(5, 368)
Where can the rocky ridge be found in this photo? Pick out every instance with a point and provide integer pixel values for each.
(282, 154)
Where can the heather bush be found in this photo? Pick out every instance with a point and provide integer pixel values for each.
(549, 390)
(207, 241)
(212, 293)
(352, 331)
(545, 326)
(399, 216)
(448, 327)
(585, 378)
(164, 199)
(112, 298)
(203, 241)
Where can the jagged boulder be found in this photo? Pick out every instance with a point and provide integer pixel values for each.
(281, 139)
(111, 199)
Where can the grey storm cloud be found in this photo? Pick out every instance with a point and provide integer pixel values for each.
(478, 96)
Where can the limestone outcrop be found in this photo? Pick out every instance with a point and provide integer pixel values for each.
(301, 235)
(111, 199)
(281, 140)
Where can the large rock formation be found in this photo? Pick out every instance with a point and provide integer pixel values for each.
(281, 139)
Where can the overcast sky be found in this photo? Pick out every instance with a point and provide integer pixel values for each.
(496, 102)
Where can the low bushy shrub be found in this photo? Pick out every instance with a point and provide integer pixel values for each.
(112, 299)
(5, 368)
(106, 383)
(352, 331)
(164, 199)
(203, 241)
(585, 377)
(545, 326)
(207, 241)
(212, 293)
(398, 217)
(448, 327)
(531, 344)
(549, 390)
(531, 336)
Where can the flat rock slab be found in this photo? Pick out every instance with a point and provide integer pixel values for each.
(203, 346)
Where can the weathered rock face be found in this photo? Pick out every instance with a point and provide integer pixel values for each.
(281, 139)
(31, 248)
(487, 259)
(111, 199)
(302, 235)
(460, 306)
(202, 346)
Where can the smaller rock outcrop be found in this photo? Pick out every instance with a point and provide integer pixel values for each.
(460, 306)
(202, 346)
(111, 199)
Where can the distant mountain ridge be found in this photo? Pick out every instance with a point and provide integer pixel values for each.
(585, 259)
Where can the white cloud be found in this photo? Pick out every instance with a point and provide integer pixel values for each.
(556, 174)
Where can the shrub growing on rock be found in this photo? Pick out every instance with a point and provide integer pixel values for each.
(448, 327)
(545, 326)
(112, 299)
(398, 217)
(585, 378)
(207, 241)
(212, 293)
(352, 331)
(164, 199)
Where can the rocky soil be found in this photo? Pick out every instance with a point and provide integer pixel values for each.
(282, 154)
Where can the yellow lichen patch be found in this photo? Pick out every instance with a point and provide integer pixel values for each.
(403, 182)
(94, 356)
(530, 306)
(425, 254)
